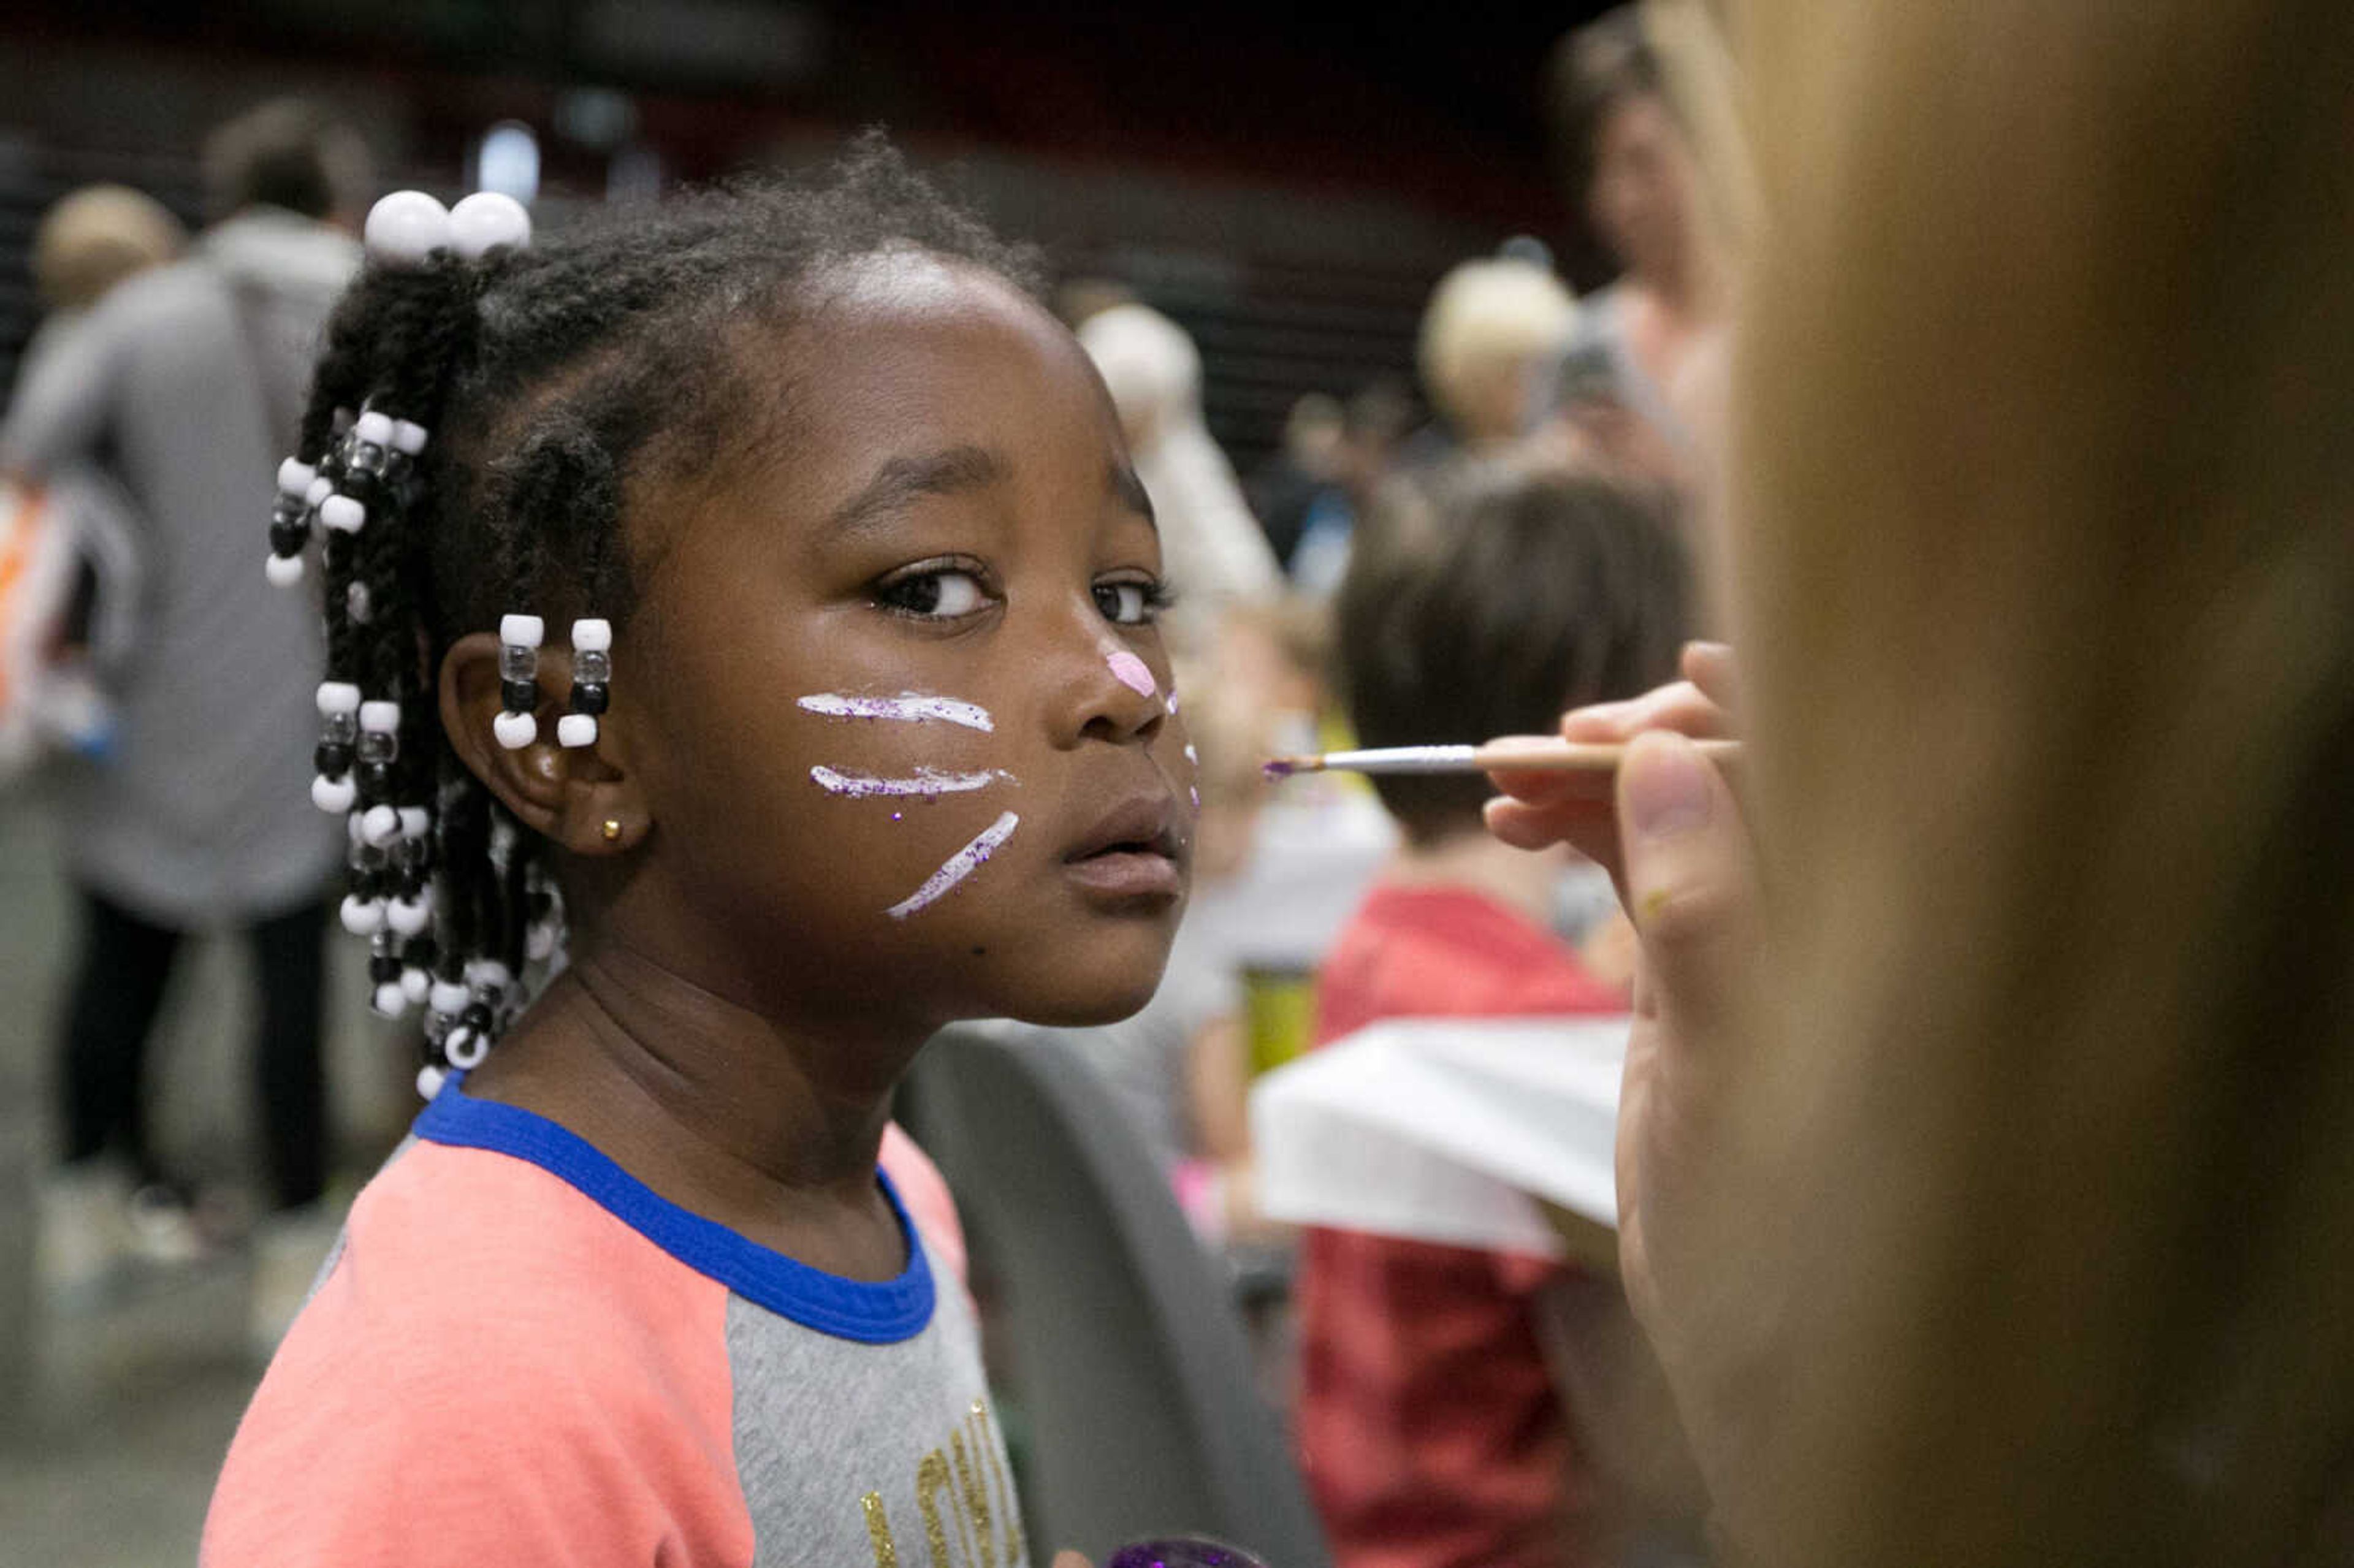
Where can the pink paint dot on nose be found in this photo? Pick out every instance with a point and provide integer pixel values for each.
(1133, 674)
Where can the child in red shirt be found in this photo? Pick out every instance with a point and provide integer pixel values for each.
(1430, 1429)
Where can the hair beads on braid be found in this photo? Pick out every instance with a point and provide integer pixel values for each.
(556, 380)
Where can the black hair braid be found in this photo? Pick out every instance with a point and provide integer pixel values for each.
(555, 382)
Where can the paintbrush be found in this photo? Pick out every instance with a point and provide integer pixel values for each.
(1533, 755)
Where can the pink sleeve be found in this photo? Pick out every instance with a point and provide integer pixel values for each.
(926, 1197)
(533, 1384)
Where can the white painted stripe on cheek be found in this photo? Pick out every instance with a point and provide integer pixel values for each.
(926, 782)
(961, 864)
(909, 705)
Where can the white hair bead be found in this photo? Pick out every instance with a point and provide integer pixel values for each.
(577, 730)
(429, 1079)
(333, 794)
(342, 514)
(539, 943)
(283, 571)
(450, 997)
(489, 972)
(515, 731)
(362, 916)
(318, 490)
(374, 428)
(379, 826)
(381, 716)
(416, 984)
(415, 822)
(390, 1000)
(522, 631)
(486, 220)
(408, 437)
(405, 227)
(466, 1048)
(295, 477)
(592, 634)
(409, 917)
(338, 697)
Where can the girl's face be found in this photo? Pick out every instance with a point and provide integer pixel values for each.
(903, 726)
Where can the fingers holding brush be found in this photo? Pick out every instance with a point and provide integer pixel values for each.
(1579, 809)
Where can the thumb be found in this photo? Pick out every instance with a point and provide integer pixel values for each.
(1686, 867)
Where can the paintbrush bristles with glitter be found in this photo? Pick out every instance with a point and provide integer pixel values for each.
(1497, 757)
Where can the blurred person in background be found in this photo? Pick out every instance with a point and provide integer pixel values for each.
(1485, 336)
(68, 594)
(85, 245)
(187, 382)
(1214, 548)
(1609, 385)
(1983, 1172)
(1431, 1428)
(1285, 490)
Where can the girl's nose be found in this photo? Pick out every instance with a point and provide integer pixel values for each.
(1110, 691)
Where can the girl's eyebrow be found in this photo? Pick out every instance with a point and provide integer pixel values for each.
(902, 479)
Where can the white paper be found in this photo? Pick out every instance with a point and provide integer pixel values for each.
(1442, 1129)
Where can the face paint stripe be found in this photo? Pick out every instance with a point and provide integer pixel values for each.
(908, 705)
(959, 865)
(860, 786)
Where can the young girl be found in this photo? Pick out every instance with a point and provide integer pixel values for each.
(757, 599)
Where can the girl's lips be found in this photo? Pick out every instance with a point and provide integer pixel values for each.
(1129, 874)
(1132, 851)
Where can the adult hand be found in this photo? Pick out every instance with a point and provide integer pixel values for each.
(1669, 829)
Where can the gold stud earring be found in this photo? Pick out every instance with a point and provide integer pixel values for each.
(613, 831)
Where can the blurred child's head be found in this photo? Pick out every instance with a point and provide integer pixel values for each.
(1488, 325)
(292, 154)
(811, 454)
(1486, 600)
(95, 238)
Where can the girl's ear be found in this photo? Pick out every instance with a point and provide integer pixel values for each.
(584, 799)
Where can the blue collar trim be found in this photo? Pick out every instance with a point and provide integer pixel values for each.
(878, 1313)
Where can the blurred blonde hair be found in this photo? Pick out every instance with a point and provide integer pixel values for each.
(1488, 318)
(2040, 452)
(94, 237)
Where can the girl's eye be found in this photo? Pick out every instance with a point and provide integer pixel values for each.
(1131, 603)
(941, 594)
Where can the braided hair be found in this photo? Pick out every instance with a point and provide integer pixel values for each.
(490, 417)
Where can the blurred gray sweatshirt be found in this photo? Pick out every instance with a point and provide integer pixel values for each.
(185, 382)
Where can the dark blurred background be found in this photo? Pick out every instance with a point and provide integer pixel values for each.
(1287, 186)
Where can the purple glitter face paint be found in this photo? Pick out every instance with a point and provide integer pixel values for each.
(1132, 673)
(1193, 756)
(961, 864)
(909, 705)
(928, 783)
(1170, 701)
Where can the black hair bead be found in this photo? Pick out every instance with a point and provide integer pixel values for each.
(476, 1017)
(332, 759)
(519, 696)
(589, 697)
(286, 538)
(376, 779)
(383, 969)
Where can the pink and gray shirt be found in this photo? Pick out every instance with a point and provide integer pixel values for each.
(521, 1354)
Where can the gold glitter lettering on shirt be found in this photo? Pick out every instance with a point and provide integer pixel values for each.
(931, 1479)
(1008, 1507)
(973, 1489)
(878, 1532)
